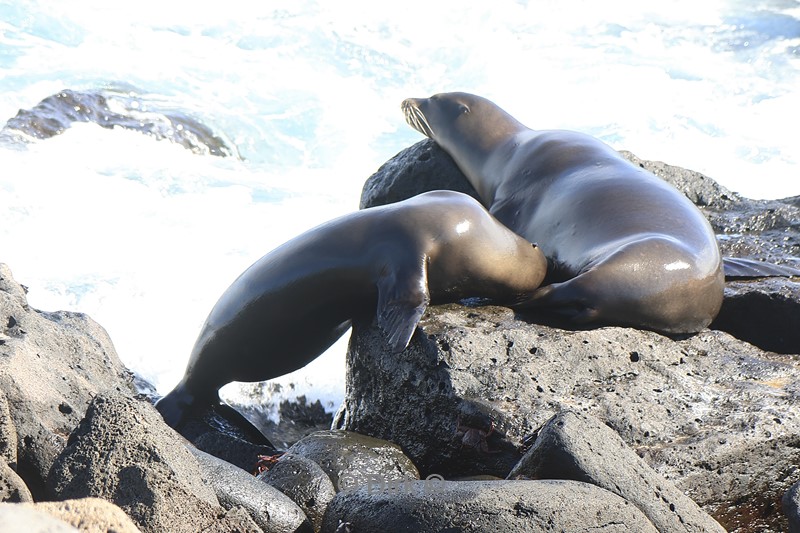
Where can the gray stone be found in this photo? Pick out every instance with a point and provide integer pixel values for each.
(89, 514)
(124, 453)
(791, 507)
(273, 511)
(12, 487)
(8, 432)
(51, 365)
(714, 415)
(576, 446)
(305, 482)
(479, 506)
(352, 460)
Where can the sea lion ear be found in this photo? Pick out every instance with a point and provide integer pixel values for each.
(402, 300)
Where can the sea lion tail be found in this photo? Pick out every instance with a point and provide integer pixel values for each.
(175, 406)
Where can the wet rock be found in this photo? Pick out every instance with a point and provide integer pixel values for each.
(17, 518)
(791, 507)
(51, 366)
(89, 514)
(714, 415)
(573, 445)
(305, 482)
(763, 312)
(12, 488)
(273, 511)
(477, 506)
(123, 452)
(110, 109)
(296, 418)
(223, 432)
(351, 460)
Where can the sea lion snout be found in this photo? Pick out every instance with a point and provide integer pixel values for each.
(415, 117)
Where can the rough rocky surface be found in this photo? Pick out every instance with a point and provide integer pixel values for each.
(124, 453)
(91, 515)
(479, 506)
(12, 488)
(576, 446)
(351, 460)
(305, 482)
(51, 366)
(715, 415)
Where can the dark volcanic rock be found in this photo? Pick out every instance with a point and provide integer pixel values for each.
(714, 415)
(51, 366)
(225, 433)
(113, 109)
(352, 460)
(305, 482)
(576, 446)
(124, 453)
(478, 506)
(297, 417)
(791, 507)
(421, 168)
(764, 312)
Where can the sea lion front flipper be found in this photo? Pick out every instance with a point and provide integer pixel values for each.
(402, 300)
(741, 268)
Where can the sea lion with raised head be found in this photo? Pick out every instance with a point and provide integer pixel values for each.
(296, 301)
(623, 246)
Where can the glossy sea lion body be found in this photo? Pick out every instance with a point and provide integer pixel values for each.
(623, 246)
(296, 301)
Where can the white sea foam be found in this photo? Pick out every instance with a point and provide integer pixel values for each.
(144, 236)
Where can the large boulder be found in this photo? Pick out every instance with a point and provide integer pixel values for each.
(51, 366)
(715, 415)
(124, 453)
(572, 445)
(477, 506)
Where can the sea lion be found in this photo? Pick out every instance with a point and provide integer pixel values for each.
(623, 246)
(296, 301)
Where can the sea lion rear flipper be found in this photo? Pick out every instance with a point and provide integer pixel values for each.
(402, 300)
(739, 267)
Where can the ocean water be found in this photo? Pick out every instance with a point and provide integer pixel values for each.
(144, 235)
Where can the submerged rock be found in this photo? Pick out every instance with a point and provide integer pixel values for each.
(114, 109)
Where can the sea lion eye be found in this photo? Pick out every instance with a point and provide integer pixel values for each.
(462, 109)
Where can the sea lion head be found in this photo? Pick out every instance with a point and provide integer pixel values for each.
(457, 120)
